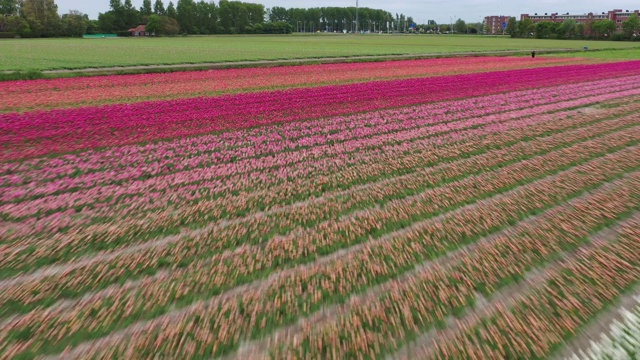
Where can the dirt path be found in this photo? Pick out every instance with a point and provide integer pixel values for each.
(269, 63)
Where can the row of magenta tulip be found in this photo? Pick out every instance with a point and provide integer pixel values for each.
(116, 307)
(31, 134)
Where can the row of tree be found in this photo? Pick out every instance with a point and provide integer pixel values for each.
(336, 19)
(186, 16)
(39, 18)
(236, 17)
(571, 29)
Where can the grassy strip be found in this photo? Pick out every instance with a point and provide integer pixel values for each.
(23, 75)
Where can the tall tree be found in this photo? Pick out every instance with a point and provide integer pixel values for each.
(15, 24)
(109, 23)
(42, 17)
(186, 13)
(75, 23)
(116, 5)
(604, 27)
(158, 8)
(255, 13)
(145, 9)
(206, 17)
(512, 27)
(460, 26)
(131, 15)
(8, 7)
(568, 29)
(631, 26)
(526, 27)
(171, 11)
(278, 13)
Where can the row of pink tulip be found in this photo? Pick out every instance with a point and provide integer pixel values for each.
(38, 133)
(149, 200)
(253, 230)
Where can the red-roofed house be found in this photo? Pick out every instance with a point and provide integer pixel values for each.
(139, 31)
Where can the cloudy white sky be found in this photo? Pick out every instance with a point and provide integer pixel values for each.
(440, 10)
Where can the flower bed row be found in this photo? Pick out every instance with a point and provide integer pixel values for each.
(417, 304)
(39, 133)
(204, 206)
(541, 321)
(203, 151)
(78, 170)
(68, 92)
(321, 280)
(292, 144)
(405, 306)
(255, 230)
(319, 239)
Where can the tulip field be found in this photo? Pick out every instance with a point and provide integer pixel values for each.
(462, 208)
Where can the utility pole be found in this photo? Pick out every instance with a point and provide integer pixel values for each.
(357, 16)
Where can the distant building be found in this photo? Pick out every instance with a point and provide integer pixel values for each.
(494, 24)
(139, 31)
(618, 16)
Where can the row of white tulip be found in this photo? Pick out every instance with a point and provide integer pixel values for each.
(621, 342)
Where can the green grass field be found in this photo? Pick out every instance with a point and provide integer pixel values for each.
(49, 54)
(619, 54)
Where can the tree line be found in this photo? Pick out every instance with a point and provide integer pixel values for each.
(187, 17)
(338, 19)
(39, 18)
(571, 29)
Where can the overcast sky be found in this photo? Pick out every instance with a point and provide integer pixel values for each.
(422, 10)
